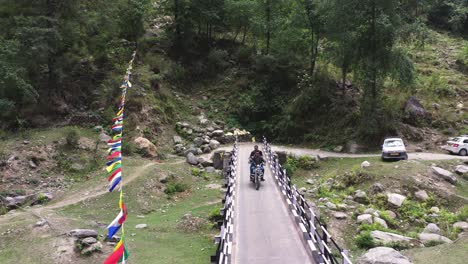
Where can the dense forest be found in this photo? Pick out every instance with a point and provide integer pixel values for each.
(296, 69)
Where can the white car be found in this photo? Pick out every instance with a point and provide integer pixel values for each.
(394, 148)
(458, 145)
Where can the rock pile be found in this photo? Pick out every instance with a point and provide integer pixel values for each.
(86, 240)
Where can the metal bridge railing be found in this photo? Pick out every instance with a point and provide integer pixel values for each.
(225, 238)
(323, 247)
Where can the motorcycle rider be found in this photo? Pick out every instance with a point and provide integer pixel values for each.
(256, 157)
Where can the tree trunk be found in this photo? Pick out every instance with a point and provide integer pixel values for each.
(268, 18)
(244, 34)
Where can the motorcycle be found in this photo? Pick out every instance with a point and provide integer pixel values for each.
(257, 176)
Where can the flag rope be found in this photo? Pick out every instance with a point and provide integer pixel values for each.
(114, 170)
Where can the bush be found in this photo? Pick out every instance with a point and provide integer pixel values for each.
(196, 172)
(462, 214)
(217, 61)
(72, 137)
(412, 210)
(364, 240)
(215, 215)
(307, 163)
(290, 166)
(128, 148)
(172, 188)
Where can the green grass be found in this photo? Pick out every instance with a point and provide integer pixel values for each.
(454, 253)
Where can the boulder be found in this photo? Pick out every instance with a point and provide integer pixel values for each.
(191, 159)
(391, 214)
(414, 110)
(377, 187)
(177, 140)
(383, 255)
(444, 174)
(418, 149)
(365, 218)
(426, 237)
(32, 164)
(380, 221)
(192, 150)
(310, 181)
(421, 195)
(353, 147)
(330, 205)
(83, 233)
(210, 169)
(198, 141)
(462, 170)
(282, 157)
(88, 241)
(206, 163)
(431, 229)
(214, 144)
(461, 225)
(103, 137)
(395, 199)
(340, 215)
(365, 164)
(217, 133)
(92, 248)
(369, 211)
(360, 197)
(218, 160)
(77, 167)
(148, 148)
(435, 210)
(141, 226)
(163, 178)
(179, 148)
(206, 149)
(338, 149)
(386, 237)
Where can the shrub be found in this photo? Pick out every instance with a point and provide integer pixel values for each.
(462, 214)
(196, 172)
(215, 215)
(412, 210)
(364, 240)
(433, 243)
(307, 163)
(72, 137)
(390, 221)
(290, 166)
(128, 148)
(172, 188)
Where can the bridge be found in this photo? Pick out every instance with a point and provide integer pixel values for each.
(274, 224)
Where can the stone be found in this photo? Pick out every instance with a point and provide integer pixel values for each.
(369, 211)
(365, 164)
(461, 225)
(444, 174)
(431, 229)
(148, 148)
(377, 187)
(353, 147)
(282, 157)
(418, 149)
(163, 178)
(310, 181)
(14, 202)
(210, 169)
(395, 199)
(218, 160)
(340, 215)
(435, 210)
(198, 141)
(462, 170)
(421, 195)
(360, 197)
(40, 223)
(88, 241)
(32, 164)
(330, 205)
(141, 226)
(191, 159)
(77, 167)
(436, 106)
(391, 214)
(92, 248)
(214, 144)
(192, 150)
(383, 255)
(83, 233)
(365, 218)
(103, 137)
(217, 133)
(338, 149)
(179, 148)
(98, 128)
(207, 163)
(177, 140)
(426, 237)
(206, 149)
(302, 190)
(386, 237)
(380, 221)
(414, 110)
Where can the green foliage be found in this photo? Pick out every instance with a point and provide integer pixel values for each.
(307, 163)
(290, 166)
(175, 187)
(390, 221)
(462, 213)
(196, 172)
(364, 240)
(215, 215)
(72, 136)
(412, 210)
(433, 243)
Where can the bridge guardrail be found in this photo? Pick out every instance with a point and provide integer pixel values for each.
(225, 238)
(323, 247)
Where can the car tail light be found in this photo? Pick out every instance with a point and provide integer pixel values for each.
(456, 145)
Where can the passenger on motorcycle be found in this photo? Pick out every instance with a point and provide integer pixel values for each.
(256, 158)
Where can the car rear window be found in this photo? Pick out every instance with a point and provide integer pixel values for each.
(393, 143)
(456, 139)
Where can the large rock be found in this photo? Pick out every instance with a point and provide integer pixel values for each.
(177, 140)
(421, 195)
(444, 174)
(365, 164)
(461, 225)
(431, 229)
(192, 159)
(386, 237)
(395, 199)
(14, 202)
(383, 255)
(426, 237)
(83, 233)
(353, 147)
(217, 133)
(365, 218)
(214, 144)
(377, 187)
(198, 141)
(414, 110)
(92, 248)
(380, 221)
(103, 137)
(192, 150)
(218, 160)
(179, 148)
(88, 241)
(360, 197)
(338, 149)
(340, 215)
(282, 157)
(462, 170)
(148, 148)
